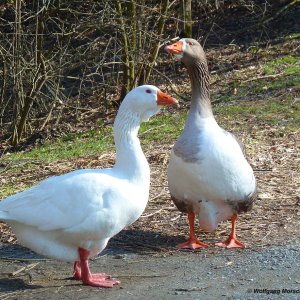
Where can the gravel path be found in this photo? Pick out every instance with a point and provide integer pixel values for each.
(209, 274)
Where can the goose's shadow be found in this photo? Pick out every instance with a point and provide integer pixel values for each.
(9, 254)
(15, 284)
(17, 252)
(141, 242)
(129, 240)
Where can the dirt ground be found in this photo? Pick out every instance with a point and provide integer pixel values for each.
(144, 258)
(208, 274)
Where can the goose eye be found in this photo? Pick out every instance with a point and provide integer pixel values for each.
(148, 91)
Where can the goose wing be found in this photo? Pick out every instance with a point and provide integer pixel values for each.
(75, 201)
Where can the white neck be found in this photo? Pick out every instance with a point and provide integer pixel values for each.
(130, 161)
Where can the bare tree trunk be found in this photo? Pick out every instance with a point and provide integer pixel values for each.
(128, 66)
(54, 48)
(131, 17)
(156, 46)
(3, 86)
(16, 67)
(187, 18)
(38, 80)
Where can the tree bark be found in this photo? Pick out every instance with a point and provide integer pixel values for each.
(156, 46)
(187, 18)
(37, 83)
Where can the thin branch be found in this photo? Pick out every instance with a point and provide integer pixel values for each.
(171, 85)
(273, 76)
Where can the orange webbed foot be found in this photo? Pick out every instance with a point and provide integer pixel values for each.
(231, 243)
(82, 272)
(192, 245)
(99, 280)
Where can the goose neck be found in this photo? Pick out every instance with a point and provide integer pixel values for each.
(199, 76)
(130, 159)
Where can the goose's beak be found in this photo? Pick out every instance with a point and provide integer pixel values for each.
(165, 99)
(176, 48)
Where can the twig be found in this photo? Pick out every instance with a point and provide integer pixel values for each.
(194, 289)
(23, 269)
(142, 275)
(158, 211)
(6, 168)
(278, 13)
(263, 77)
(9, 295)
(174, 219)
(27, 268)
(171, 85)
(265, 236)
(152, 128)
(157, 196)
(25, 259)
(150, 215)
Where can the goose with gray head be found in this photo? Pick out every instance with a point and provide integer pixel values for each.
(208, 174)
(72, 217)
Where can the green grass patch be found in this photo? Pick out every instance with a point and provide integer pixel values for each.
(69, 146)
(164, 127)
(274, 113)
(286, 64)
(268, 86)
(286, 72)
(161, 129)
(95, 142)
(9, 189)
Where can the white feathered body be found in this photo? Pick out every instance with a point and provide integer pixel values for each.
(84, 208)
(212, 177)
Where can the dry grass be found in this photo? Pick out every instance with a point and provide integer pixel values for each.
(275, 218)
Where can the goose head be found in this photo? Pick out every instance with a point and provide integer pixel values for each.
(146, 100)
(187, 50)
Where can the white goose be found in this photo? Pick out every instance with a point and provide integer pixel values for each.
(208, 174)
(71, 217)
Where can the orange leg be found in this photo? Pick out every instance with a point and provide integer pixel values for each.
(77, 271)
(192, 243)
(232, 241)
(82, 272)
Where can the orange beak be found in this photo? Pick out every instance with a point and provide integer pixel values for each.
(175, 48)
(164, 99)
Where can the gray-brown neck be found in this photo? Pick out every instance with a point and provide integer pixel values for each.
(199, 76)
